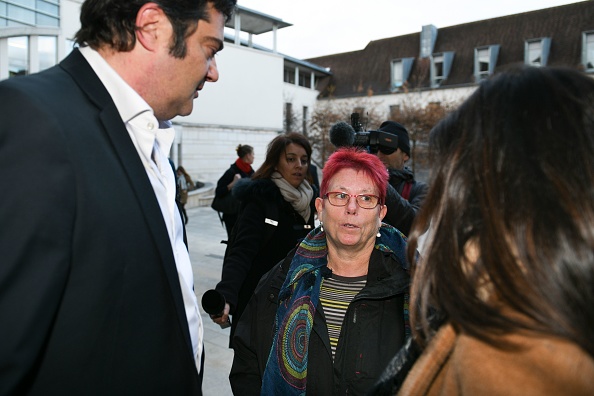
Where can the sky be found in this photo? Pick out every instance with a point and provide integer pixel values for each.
(324, 27)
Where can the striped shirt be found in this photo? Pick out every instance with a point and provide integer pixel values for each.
(336, 294)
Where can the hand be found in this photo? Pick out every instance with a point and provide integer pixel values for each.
(235, 178)
(222, 320)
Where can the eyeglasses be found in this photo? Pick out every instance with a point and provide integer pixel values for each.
(384, 150)
(365, 201)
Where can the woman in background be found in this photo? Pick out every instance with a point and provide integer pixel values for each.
(504, 294)
(276, 213)
(241, 168)
(184, 184)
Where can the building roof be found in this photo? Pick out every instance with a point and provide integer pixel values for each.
(367, 71)
(255, 22)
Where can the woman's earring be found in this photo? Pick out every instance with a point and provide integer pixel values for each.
(321, 226)
(378, 233)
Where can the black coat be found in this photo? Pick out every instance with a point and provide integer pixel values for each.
(90, 302)
(401, 211)
(227, 178)
(372, 333)
(253, 250)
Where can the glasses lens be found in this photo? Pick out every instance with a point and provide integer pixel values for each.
(367, 201)
(338, 198)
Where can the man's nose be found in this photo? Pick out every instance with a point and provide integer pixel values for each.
(213, 72)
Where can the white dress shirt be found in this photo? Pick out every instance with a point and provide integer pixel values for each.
(153, 140)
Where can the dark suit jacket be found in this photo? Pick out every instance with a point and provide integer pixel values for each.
(90, 300)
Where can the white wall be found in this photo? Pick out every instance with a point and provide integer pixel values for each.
(69, 24)
(248, 93)
(382, 103)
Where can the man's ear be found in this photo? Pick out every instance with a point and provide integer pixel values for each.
(149, 26)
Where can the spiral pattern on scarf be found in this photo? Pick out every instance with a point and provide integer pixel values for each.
(292, 346)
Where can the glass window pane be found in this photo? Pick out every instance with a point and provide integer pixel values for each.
(44, 20)
(49, 8)
(47, 51)
(534, 53)
(590, 51)
(18, 56)
(397, 73)
(26, 3)
(21, 14)
(482, 59)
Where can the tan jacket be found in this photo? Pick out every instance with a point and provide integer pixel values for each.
(457, 364)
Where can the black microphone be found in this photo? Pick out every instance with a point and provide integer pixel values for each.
(213, 303)
(342, 134)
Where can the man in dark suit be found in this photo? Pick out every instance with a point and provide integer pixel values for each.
(95, 282)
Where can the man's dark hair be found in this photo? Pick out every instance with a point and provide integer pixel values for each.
(113, 22)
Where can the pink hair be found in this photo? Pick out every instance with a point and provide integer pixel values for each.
(360, 161)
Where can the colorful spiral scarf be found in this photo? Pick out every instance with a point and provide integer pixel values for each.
(286, 370)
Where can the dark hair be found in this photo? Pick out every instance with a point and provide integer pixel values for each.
(243, 150)
(188, 178)
(276, 148)
(360, 161)
(510, 211)
(113, 22)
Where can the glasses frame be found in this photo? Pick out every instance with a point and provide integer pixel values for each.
(356, 196)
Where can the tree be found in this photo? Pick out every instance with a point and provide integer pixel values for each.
(419, 121)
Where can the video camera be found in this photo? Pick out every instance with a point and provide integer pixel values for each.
(344, 135)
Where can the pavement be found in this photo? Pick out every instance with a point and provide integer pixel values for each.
(205, 232)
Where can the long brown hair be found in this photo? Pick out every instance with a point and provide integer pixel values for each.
(513, 183)
(276, 148)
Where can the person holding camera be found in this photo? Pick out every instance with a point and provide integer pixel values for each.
(405, 194)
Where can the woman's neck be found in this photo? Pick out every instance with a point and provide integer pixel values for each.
(349, 263)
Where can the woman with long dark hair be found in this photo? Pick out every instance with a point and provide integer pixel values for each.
(503, 297)
(276, 213)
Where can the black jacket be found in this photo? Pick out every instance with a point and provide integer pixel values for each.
(372, 333)
(253, 249)
(402, 212)
(227, 178)
(90, 302)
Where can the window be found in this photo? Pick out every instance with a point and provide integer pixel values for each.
(30, 13)
(485, 59)
(395, 112)
(18, 56)
(536, 52)
(588, 51)
(440, 67)
(400, 71)
(289, 76)
(48, 52)
(304, 124)
(304, 80)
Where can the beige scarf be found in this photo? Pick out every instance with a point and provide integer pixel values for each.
(299, 198)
